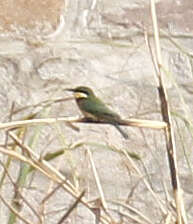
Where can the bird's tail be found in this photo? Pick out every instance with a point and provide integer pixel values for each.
(121, 131)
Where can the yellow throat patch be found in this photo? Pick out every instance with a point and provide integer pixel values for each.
(80, 95)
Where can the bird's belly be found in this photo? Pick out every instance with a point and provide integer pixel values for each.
(90, 116)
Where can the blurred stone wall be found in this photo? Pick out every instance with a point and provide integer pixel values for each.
(28, 12)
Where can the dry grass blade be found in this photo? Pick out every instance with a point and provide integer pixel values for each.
(51, 193)
(74, 205)
(169, 132)
(17, 156)
(156, 197)
(18, 192)
(46, 121)
(102, 200)
(104, 204)
(43, 164)
(13, 210)
(45, 168)
(134, 210)
(51, 173)
(17, 124)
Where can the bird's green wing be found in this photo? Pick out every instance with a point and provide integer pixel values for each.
(100, 110)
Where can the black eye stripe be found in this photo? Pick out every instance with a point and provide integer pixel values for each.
(83, 91)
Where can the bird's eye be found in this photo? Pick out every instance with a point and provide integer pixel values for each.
(84, 91)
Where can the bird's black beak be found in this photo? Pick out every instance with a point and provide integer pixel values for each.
(71, 90)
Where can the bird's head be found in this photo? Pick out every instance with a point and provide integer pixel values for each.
(82, 92)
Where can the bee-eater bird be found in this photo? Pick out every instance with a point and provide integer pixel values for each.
(93, 108)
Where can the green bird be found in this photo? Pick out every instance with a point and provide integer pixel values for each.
(93, 108)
